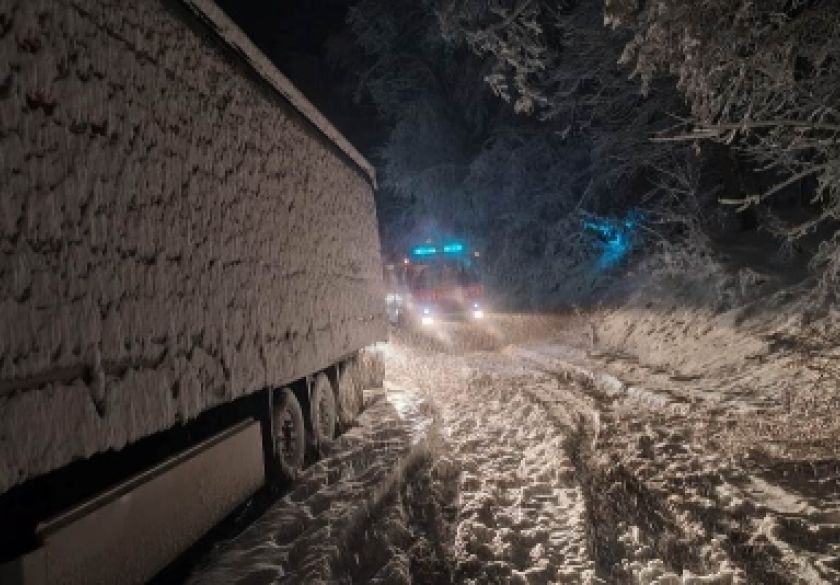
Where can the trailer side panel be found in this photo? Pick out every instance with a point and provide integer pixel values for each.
(173, 233)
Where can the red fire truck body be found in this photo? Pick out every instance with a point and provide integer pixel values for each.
(434, 283)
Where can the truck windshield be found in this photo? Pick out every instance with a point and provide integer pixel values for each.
(448, 273)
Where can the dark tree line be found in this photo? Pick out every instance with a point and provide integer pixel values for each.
(512, 121)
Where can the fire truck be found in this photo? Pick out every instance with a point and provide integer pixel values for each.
(435, 282)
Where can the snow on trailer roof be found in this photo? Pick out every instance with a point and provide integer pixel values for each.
(209, 12)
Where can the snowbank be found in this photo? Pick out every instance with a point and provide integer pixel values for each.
(717, 444)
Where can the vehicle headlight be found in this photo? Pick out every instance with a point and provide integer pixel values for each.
(427, 320)
(478, 314)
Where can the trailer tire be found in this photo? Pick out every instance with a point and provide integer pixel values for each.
(349, 395)
(322, 412)
(289, 435)
(371, 369)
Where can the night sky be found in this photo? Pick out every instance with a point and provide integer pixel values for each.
(293, 34)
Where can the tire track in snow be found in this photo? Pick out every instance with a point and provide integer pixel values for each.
(403, 540)
(521, 514)
(671, 511)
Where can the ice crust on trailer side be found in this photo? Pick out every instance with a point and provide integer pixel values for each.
(209, 11)
(172, 233)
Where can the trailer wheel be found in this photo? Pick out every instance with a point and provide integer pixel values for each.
(322, 411)
(289, 434)
(371, 369)
(349, 394)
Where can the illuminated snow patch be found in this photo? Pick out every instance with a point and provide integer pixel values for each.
(411, 408)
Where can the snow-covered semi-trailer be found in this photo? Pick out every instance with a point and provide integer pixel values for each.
(190, 282)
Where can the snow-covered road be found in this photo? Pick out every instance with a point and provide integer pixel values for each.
(520, 512)
(484, 461)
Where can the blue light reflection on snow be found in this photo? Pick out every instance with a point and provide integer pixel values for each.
(616, 236)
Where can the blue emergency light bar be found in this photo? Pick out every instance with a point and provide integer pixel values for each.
(450, 248)
(424, 251)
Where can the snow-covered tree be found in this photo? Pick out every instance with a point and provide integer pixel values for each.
(510, 120)
(556, 61)
(426, 94)
(763, 77)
